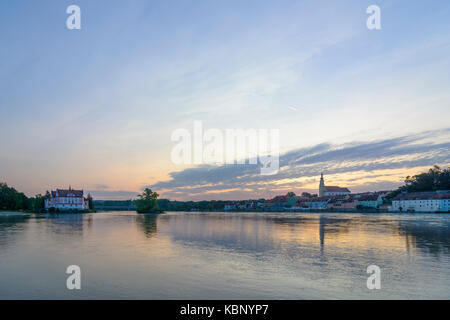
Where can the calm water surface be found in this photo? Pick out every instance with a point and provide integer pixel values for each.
(225, 256)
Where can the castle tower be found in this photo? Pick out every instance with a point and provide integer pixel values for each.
(321, 186)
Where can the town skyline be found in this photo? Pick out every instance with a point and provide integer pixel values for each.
(322, 190)
(424, 192)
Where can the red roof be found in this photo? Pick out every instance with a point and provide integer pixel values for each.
(336, 189)
(65, 193)
(422, 196)
(369, 197)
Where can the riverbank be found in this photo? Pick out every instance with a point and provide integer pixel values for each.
(14, 213)
(9, 212)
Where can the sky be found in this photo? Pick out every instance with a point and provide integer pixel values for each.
(96, 108)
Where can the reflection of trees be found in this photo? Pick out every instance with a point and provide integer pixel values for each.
(428, 236)
(7, 222)
(12, 228)
(148, 224)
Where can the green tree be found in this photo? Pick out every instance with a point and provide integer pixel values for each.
(444, 180)
(90, 202)
(434, 179)
(290, 194)
(11, 199)
(39, 203)
(147, 202)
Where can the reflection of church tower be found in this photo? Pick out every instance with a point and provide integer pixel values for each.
(322, 225)
(321, 186)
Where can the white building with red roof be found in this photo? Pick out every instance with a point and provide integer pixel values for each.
(67, 200)
(438, 201)
(326, 191)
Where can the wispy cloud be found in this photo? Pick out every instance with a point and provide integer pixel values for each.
(300, 168)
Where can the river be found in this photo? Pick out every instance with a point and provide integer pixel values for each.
(123, 255)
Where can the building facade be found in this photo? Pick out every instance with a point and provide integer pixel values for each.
(421, 202)
(370, 200)
(67, 200)
(342, 204)
(229, 206)
(445, 205)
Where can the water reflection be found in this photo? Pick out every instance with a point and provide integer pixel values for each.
(329, 226)
(262, 232)
(225, 255)
(67, 225)
(431, 237)
(12, 228)
(257, 232)
(147, 224)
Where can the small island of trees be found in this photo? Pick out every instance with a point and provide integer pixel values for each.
(147, 202)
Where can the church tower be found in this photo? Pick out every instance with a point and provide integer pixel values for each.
(321, 186)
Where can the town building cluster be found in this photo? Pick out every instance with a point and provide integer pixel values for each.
(336, 198)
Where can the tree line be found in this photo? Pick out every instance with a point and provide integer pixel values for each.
(163, 204)
(213, 205)
(11, 199)
(432, 180)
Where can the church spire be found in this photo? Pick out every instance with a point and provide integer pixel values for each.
(321, 186)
